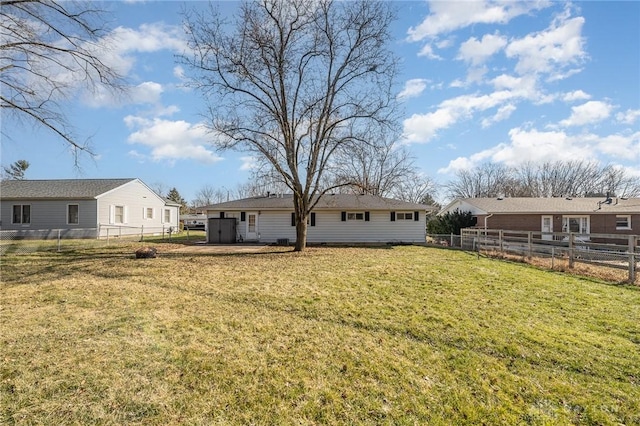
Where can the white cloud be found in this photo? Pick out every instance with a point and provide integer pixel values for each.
(427, 51)
(503, 113)
(178, 72)
(147, 93)
(447, 16)
(629, 116)
(587, 113)
(620, 146)
(549, 51)
(249, 163)
(171, 140)
(540, 146)
(413, 88)
(477, 51)
(424, 127)
(577, 95)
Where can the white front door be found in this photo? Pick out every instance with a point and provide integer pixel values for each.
(547, 227)
(252, 226)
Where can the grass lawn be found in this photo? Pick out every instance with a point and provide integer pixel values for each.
(394, 335)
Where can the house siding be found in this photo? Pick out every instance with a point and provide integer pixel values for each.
(51, 214)
(329, 228)
(135, 197)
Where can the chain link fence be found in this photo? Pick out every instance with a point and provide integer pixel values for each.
(60, 240)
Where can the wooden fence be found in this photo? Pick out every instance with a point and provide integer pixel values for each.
(607, 250)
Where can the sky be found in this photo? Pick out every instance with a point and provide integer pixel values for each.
(482, 81)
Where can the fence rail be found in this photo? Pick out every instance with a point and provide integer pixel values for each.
(605, 250)
(39, 240)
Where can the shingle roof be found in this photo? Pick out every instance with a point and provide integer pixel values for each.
(327, 202)
(555, 205)
(58, 188)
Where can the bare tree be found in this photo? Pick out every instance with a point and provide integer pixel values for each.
(487, 180)
(47, 49)
(292, 81)
(376, 167)
(576, 178)
(160, 188)
(208, 195)
(415, 188)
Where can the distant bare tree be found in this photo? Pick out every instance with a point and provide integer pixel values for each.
(293, 81)
(375, 168)
(160, 188)
(208, 195)
(262, 181)
(416, 188)
(576, 178)
(486, 180)
(47, 50)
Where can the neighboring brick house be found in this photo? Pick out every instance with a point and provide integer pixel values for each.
(581, 215)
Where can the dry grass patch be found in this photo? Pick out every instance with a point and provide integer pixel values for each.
(404, 335)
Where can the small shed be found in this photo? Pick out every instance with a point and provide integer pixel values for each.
(221, 230)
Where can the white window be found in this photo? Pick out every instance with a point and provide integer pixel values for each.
(576, 224)
(73, 214)
(167, 216)
(21, 214)
(355, 216)
(148, 213)
(623, 222)
(404, 216)
(118, 214)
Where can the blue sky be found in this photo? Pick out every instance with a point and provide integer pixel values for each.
(481, 81)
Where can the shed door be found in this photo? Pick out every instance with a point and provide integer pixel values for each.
(547, 227)
(252, 226)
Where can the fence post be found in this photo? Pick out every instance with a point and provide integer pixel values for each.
(58, 240)
(500, 237)
(142, 233)
(530, 238)
(571, 252)
(632, 259)
(451, 240)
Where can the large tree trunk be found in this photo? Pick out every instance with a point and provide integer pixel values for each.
(300, 206)
(301, 234)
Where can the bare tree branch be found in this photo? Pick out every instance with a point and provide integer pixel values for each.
(48, 50)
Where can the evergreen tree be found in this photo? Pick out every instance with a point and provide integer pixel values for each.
(451, 222)
(16, 170)
(175, 196)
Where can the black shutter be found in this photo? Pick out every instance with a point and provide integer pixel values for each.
(366, 216)
(221, 215)
(393, 216)
(416, 216)
(344, 216)
(293, 219)
(243, 216)
(313, 219)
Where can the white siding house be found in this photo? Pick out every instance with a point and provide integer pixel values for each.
(339, 218)
(84, 208)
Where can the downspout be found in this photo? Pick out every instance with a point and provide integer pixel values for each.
(486, 218)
